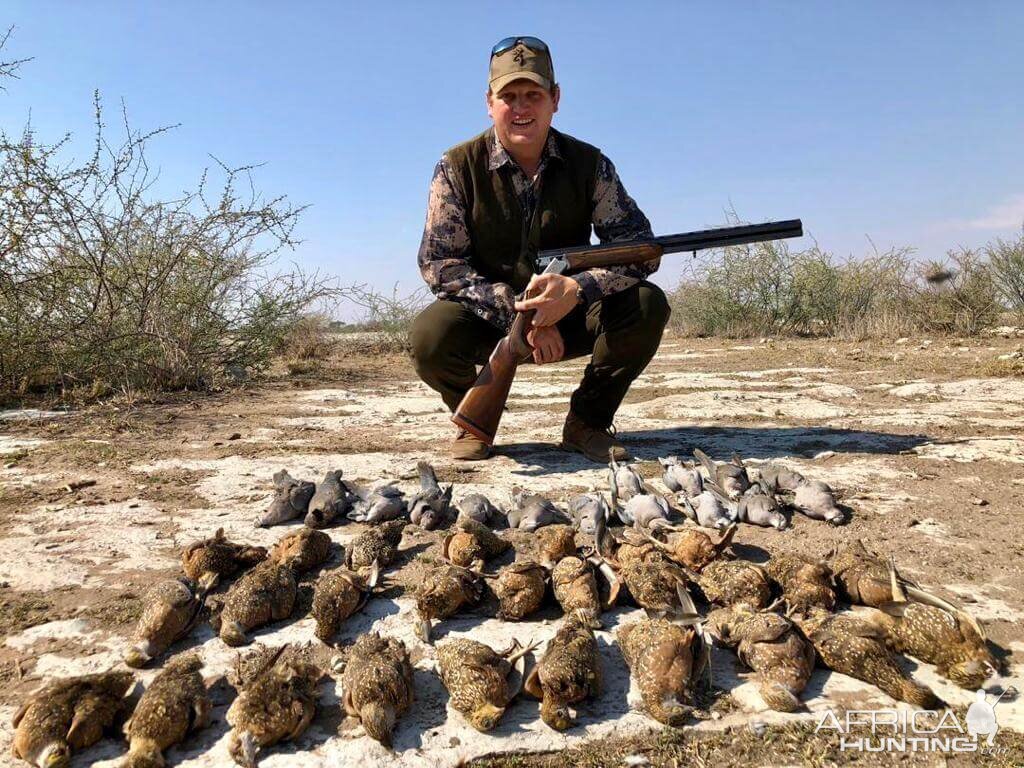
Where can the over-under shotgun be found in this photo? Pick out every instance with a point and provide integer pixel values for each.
(481, 408)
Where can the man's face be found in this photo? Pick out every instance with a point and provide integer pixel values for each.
(522, 113)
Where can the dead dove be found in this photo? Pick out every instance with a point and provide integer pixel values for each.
(586, 509)
(680, 477)
(291, 500)
(175, 704)
(478, 507)
(816, 500)
(775, 478)
(332, 499)
(276, 704)
(530, 511)
(730, 477)
(624, 481)
(171, 609)
(707, 510)
(67, 716)
(385, 502)
(479, 679)
(430, 508)
(754, 506)
(377, 684)
(646, 511)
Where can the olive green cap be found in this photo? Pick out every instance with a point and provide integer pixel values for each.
(521, 63)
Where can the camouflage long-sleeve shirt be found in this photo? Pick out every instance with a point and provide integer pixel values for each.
(445, 251)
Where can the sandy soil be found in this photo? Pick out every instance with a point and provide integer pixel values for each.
(96, 504)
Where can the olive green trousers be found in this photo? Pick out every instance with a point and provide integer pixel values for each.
(621, 332)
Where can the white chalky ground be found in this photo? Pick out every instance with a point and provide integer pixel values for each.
(113, 543)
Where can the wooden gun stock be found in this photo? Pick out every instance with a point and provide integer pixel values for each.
(480, 410)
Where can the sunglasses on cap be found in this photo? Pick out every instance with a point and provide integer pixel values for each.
(533, 43)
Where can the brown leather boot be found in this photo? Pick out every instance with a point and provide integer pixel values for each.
(467, 447)
(592, 442)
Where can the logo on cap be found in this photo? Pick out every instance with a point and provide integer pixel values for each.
(519, 55)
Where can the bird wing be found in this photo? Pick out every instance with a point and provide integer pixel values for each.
(428, 478)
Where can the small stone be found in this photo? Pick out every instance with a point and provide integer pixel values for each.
(824, 455)
(979, 502)
(902, 340)
(913, 521)
(235, 436)
(757, 727)
(716, 715)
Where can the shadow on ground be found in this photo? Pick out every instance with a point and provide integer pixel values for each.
(720, 443)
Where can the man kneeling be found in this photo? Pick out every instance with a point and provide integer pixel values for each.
(495, 201)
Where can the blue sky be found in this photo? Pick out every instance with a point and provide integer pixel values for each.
(899, 121)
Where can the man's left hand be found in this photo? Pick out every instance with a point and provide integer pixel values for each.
(553, 296)
(547, 344)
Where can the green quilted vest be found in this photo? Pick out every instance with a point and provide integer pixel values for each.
(504, 245)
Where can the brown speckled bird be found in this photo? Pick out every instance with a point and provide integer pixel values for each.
(805, 582)
(520, 589)
(659, 587)
(861, 577)
(633, 546)
(379, 543)
(175, 704)
(693, 548)
(939, 634)
(472, 543)
(950, 641)
(303, 550)
(339, 593)
(771, 646)
(478, 678)
(68, 715)
(206, 562)
(569, 673)
(441, 594)
(555, 542)
(266, 593)
(728, 582)
(667, 660)
(575, 586)
(169, 612)
(854, 647)
(275, 704)
(377, 684)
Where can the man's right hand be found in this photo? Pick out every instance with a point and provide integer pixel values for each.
(547, 344)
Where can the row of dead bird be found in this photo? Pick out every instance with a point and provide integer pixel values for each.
(778, 617)
(725, 493)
